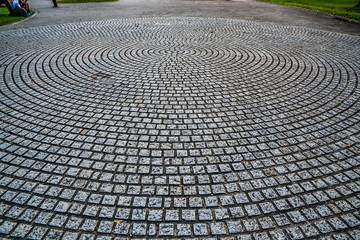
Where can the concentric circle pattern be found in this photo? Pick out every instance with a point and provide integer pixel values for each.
(179, 128)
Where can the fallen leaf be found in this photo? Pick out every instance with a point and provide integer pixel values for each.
(118, 220)
(347, 145)
(74, 84)
(181, 185)
(275, 93)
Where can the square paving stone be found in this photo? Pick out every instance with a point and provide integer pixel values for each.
(244, 237)
(124, 201)
(226, 200)
(323, 226)
(166, 229)
(14, 212)
(252, 210)
(281, 220)
(211, 201)
(73, 223)
(205, 214)
(195, 202)
(296, 217)
(172, 215)
(21, 230)
(266, 223)
(251, 225)
(310, 214)
(35, 201)
(309, 230)
(152, 230)
(58, 221)
(261, 236)
(324, 211)
(180, 202)
(278, 235)
(104, 238)
(87, 236)
(105, 226)
(337, 223)
(241, 198)
(155, 202)
(235, 227)
(122, 213)
(91, 210)
(188, 215)
(109, 200)
(294, 233)
(183, 230)
(43, 218)
(37, 233)
(122, 228)
(200, 229)
(139, 229)
(236, 212)
(76, 208)
(155, 215)
(62, 206)
(218, 228)
(139, 201)
(221, 214)
(351, 220)
(267, 207)
(282, 204)
(54, 234)
(89, 225)
(6, 227)
(138, 214)
(107, 212)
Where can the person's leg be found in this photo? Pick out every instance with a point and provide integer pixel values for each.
(25, 5)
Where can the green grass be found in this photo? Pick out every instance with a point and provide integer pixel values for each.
(5, 17)
(344, 8)
(84, 1)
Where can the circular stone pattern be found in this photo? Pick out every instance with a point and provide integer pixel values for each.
(179, 127)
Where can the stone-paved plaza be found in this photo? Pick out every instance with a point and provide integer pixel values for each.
(179, 128)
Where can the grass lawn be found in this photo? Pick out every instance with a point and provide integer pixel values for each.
(5, 17)
(345, 8)
(84, 1)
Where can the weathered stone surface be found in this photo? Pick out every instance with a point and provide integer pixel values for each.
(179, 127)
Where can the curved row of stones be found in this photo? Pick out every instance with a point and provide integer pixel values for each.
(179, 127)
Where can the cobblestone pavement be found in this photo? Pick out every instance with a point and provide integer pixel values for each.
(179, 127)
